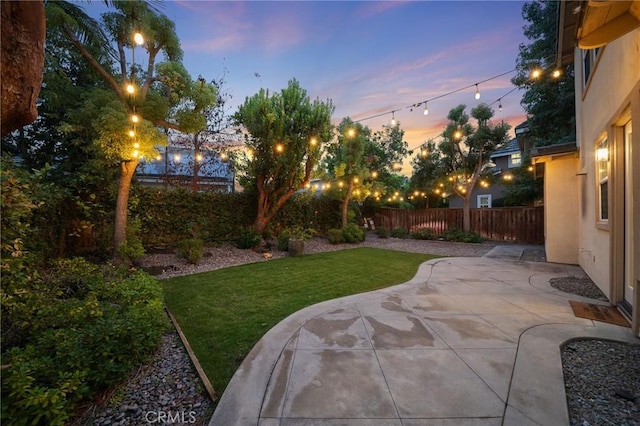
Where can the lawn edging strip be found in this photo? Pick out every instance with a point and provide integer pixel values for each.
(194, 359)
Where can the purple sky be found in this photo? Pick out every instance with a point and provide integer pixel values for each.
(369, 57)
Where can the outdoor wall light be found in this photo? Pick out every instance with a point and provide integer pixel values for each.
(602, 154)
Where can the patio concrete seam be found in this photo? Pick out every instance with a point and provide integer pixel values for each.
(384, 376)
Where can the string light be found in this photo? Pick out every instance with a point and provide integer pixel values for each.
(426, 109)
(477, 92)
(393, 119)
(130, 89)
(279, 148)
(135, 118)
(313, 141)
(556, 73)
(500, 104)
(137, 37)
(425, 112)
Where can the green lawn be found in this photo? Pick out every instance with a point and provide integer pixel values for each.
(224, 312)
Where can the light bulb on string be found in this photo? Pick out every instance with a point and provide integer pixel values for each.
(130, 89)
(393, 119)
(536, 73)
(426, 109)
(137, 37)
(556, 73)
(477, 92)
(500, 104)
(135, 118)
(132, 133)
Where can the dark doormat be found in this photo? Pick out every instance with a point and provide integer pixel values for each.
(598, 312)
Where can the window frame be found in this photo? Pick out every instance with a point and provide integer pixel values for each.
(602, 178)
(479, 197)
(513, 164)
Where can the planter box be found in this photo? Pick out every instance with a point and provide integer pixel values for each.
(296, 247)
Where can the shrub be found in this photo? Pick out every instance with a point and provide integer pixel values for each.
(458, 235)
(335, 236)
(88, 327)
(190, 250)
(248, 238)
(383, 232)
(400, 233)
(352, 233)
(422, 234)
(131, 250)
(283, 239)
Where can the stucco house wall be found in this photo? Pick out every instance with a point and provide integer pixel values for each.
(602, 102)
(562, 202)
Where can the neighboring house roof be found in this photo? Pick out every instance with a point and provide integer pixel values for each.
(521, 128)
(510, 148)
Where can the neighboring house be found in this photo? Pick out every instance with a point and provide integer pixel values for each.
(592, 201)
(175, 167)
(505, 158)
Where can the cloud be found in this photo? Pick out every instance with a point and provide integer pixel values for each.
(373, 8)
(217, 44)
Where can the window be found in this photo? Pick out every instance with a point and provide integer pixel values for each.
(602, 173)
(484, 201)
(588, 63)
(515, 160)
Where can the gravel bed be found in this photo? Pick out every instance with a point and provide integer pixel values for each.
(600, 376)
(167, 264)
(580, 286)
(602, 382)
(167, 388)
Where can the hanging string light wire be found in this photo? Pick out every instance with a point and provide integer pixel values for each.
(417, 104)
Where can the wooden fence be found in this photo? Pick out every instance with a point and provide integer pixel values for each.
(516, 224)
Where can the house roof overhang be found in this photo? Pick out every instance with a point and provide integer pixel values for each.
(591, 24)
(541, 154)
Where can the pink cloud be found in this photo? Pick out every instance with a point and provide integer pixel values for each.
(374, 8)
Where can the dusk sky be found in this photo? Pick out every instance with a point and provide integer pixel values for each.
(369, 57)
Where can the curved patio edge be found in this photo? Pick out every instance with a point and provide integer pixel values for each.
(241, 404)
(537, 392)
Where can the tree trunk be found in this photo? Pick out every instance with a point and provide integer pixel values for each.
(22, 58)
(466, 214)
(128, 169)
(345, 203)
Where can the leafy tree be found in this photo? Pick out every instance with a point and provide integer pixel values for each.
(548, 101)
(163, 94)
(348, 172)
(385, 155)
(466, 150)
(218, 136)
(285, 133)
(524, 188)
(427, 171)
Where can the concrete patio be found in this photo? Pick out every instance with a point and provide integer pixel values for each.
(468, 341)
